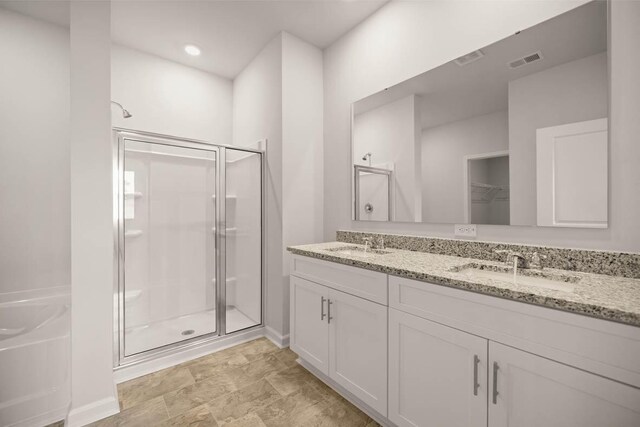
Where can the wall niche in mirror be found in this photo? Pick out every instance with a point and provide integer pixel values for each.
(514, 133)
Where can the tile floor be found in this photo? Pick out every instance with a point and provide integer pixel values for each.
(254, 384)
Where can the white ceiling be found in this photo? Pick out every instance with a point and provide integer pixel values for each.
(450, 92)
(230, 33)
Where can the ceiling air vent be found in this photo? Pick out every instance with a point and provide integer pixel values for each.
(469, 58)
(526, 60)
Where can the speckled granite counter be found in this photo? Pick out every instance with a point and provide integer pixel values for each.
(606, 297)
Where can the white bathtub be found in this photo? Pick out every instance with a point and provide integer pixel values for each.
(34, 356)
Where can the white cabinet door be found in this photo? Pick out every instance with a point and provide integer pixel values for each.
(531, 391)
(309, 332)
(358, 348)
(437, 374)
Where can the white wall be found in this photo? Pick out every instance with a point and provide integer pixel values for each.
(278, 96)
(572, 92)
(302, 145)
(389, 134)
(170, 98)
(428, 34)
(443, 151)
(257, 115)
(93, 393)
(34, 154)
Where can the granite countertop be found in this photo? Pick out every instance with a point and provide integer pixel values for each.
(605, 297)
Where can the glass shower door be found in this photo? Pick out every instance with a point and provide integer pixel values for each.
(168, 238)
(243, 240)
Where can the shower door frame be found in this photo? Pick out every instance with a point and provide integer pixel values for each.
(119, 137)
(357, 169)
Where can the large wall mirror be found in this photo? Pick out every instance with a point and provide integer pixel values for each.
(514, 133)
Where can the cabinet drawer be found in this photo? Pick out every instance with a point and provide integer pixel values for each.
(606, 348)
(362, 283)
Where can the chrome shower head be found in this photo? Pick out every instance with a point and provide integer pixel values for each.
(366, 155)
(125, 113)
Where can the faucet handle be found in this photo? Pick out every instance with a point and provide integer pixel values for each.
(536, 260)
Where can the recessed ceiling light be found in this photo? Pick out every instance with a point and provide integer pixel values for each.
(192, 50)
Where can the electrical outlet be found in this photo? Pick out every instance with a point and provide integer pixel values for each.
(465, 230)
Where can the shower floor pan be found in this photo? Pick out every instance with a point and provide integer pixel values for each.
(154, 335)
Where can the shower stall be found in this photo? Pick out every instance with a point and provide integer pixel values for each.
(189, 234)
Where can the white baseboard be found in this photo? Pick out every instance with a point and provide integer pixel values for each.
(93, 412)
(372, 413)
(282, 341)
(128, 372)
(45, 419)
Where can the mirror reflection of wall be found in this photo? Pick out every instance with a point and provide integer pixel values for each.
(439, 131)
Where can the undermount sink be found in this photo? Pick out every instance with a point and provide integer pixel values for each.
(534, 278)
(357, 251)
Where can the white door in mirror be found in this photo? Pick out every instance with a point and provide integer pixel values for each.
(572, 175)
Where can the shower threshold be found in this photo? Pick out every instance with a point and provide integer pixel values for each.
(142, 338)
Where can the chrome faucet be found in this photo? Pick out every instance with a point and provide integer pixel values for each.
(530, 260)
(367, 243)
(514, 257)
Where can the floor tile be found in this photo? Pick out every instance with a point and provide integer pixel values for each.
(242, 402)
(291, 409)
(256, 348)
(195, 417)
(333, 414)
(255, 371)
(144, 388)
(254, 384)
(201, 392)
(287, 357)
(218, 362)
(151, 412)
(249, 420)
(289, 380)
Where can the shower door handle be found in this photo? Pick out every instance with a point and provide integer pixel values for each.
(322, 314)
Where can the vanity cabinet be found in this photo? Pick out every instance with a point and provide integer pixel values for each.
(358, 348)
(309, 332)
(440, 356)
(437, 374)
(343, 336)
(530, 391)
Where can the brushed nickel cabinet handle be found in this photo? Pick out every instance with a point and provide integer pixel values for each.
(322, 314)
(495, 383)
(329, 311)
(476, 385)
